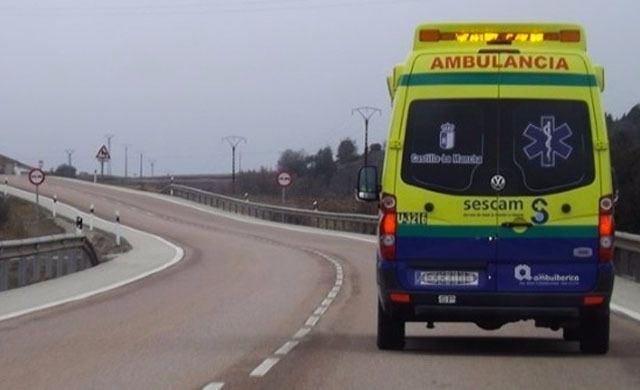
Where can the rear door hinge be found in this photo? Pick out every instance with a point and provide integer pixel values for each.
(395, 144)
(602, 145)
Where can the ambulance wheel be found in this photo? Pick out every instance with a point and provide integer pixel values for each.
(594, 332)
(390, 331)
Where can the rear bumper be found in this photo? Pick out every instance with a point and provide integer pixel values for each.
(547, 307)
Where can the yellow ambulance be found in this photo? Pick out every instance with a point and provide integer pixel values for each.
(496, 199)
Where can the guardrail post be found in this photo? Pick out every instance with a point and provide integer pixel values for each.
(117, 228)
(54, 209)
(315, 205)
(6, 187)
(246, 197)
(171, 188)
(78, 225)
(92, 212)
(4, 275)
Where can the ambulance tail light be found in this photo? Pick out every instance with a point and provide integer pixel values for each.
(606, 229)
(388, 227)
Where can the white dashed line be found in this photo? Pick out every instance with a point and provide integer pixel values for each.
(301, 333)
(213, 386)
(312, 321)
(264, 367)
(287, 347)
(320, 311)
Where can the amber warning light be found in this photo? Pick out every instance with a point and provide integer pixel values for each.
(534, 37)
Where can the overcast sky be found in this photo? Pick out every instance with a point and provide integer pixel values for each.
(170, 78)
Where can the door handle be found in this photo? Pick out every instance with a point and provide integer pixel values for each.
(517, 224)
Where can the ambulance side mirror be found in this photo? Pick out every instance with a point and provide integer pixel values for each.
(368, 189)
(599, 70)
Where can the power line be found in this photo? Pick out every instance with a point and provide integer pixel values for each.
(109, 137)
(233, 141)
(69, 154)
(366, 112)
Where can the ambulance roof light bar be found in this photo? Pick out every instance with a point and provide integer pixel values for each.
(494, 33)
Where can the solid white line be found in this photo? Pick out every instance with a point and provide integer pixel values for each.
(286, 347)
(312, 321)
(332, 294)
(339, 282)
(627, 312)
(301, 333)
(264, 367)
(214, 386)
(326, 302)
(178, 256)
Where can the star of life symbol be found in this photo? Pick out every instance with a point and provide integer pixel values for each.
(447, 136)
(547, 141)
(522, 272)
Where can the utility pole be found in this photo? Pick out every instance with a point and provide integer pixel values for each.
(141, 165)
(366, 112)
(109, 137)
(233, 141)
(152, 163)
(126, 160)
(69, 153)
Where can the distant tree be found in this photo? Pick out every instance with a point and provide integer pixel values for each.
(65, 170)
(323, 165)
(375, 148)
(294, 161)
(347, 151)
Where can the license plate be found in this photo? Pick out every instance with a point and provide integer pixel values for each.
(446, 278)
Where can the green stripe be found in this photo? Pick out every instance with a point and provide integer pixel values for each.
(568, 80)
(486, 231)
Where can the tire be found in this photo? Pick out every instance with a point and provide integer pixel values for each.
(390, 331)
(594, 332)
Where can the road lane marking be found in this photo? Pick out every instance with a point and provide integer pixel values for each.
(301, 333)
(287, 347)
(179, 255)
(264, 367)
(214, 386)
(320, 310)
(312, 321)
(627, 312)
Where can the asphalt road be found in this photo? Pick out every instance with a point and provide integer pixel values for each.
(244, 291)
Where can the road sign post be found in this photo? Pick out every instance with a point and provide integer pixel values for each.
(284, 180)
(103, 156)
(36, 177)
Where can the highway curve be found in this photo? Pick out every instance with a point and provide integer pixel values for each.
(245, 290)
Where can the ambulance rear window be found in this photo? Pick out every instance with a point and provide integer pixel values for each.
(457, 145)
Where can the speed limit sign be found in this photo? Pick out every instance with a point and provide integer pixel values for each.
(284, 179)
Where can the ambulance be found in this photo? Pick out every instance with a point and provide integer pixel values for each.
(496, 198)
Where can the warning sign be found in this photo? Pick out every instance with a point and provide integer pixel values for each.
(103, 154)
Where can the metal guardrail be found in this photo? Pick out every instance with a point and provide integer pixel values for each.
(357, 223)
(33, 260)
(627, 255)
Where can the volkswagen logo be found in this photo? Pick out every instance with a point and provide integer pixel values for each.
(498, 182)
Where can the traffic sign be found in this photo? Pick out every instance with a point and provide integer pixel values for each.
(284, 179)
(103, 154)
(36, 176)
